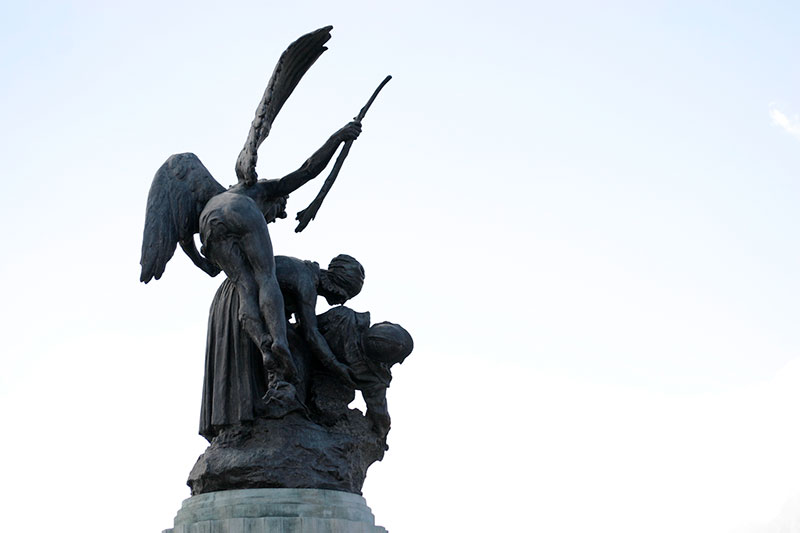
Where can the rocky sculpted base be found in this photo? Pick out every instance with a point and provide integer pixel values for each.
(292, 452)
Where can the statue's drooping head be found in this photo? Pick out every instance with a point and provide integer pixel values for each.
(343, 279)
(276, 208)
(388, 343)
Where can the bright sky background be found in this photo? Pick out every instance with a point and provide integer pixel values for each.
(584, 212)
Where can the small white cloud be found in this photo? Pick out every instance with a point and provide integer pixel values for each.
(790, 125)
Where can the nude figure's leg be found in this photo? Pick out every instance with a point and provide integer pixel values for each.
(238, 269)
(270, 302)
(258, 248)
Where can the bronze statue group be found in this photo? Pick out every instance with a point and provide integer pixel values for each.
(268, 353)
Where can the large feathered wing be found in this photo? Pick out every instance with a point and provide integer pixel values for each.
(180, 190)
(291, 67)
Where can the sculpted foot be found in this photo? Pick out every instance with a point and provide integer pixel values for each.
(280, 400)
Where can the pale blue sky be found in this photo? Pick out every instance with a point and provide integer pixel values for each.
(585, 214)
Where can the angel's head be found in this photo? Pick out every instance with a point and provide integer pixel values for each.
(275, 208)
(342, 280)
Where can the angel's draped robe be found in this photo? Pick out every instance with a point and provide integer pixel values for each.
(234, 379)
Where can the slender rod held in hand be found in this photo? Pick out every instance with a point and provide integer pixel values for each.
(307, 215)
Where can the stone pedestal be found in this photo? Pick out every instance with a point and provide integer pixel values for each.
(275, 510)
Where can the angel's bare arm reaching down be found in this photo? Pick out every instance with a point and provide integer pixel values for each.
(201, 262)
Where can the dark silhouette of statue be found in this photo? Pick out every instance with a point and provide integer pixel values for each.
(276, 391)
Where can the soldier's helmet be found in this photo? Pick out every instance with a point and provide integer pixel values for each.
(388, 343)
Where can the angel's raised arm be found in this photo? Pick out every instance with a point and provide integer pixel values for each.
(317, 162)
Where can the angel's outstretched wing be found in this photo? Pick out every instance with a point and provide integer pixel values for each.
(180, 190)
(292, 65)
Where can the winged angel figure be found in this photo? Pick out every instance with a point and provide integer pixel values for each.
(185, 199)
